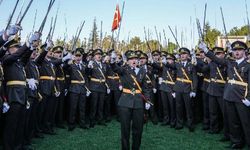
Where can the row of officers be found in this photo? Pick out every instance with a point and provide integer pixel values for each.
(40, 84)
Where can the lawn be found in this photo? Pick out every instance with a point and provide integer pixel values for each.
(155, 137)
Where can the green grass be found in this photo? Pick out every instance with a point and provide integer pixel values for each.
(108, 138)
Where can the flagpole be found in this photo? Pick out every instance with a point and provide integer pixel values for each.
(117, 39)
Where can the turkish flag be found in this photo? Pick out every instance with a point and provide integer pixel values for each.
(117, 18)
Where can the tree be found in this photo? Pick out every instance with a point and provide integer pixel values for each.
(211, 35)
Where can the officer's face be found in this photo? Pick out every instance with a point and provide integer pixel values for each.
(12, 50)
(202, 55)
(98, 57)
(78, 58)
(143, 61)
(184, 57)
(220, 55)
(156, 57)
(133, 62)
(238, 54)
(170, 61)
(57, 55)
(33, 55)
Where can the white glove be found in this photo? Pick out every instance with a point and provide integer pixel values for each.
(34, 37)
(246, 102)
(90, 65)
(160, 80)
(65, 92)
(164, 60)
(177, 56)
(150, 58)
(108, 91)
(194, 60)
(57, 94)
(154, 90)
(192, 94)
(13, 30)
(113, 55)
(32, 84)
(88, 93)
(120, 87)
(6, 107)
(28, 105)
(49, 45)
(174, 95)
(228, 46)
(147, 106)
(67, 57)
(203, 46)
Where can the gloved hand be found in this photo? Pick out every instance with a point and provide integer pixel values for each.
(67, 57)
(65, 92)
(203, 46)
(154, 90)
(150, 58)
(228, 47)
(57, 94)
(13, 30)
(246, 102)
(28, 105)
(88, 93)
(147, 106)
(174, 95)
(90, 65)
(113, 57)
(108, 91)
(6, 107)
(160, 80)
(194, 60)
(192, 94)
(33, 41)
(164, 60)
(32, 84)
(49, 45)
(120, 87)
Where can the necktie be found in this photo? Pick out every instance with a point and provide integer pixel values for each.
(183, 64)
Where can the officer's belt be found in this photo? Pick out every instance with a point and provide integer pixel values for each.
(60, 78)
(200, 74)
(47, 78)
(36, 81)
(16, 82)
(128, 91)
(184, 80)
(67, 76)
(168, 82)
(206, 80)
(217, 80)
(97, 80)
(113, 78)
(237, 82)
(77, 81)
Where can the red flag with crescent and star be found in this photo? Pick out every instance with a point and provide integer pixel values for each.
(117, 18)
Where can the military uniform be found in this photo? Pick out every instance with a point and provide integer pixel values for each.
(15, 81)
(186, 82)
(77, 93)
(131, 104)
(98, 87)
(236, 90)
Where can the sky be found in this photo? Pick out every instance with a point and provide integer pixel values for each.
(137, 15)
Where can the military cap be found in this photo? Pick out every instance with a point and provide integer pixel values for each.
(238, 45)
(110, 51)
(138, 52)
(14, 42)
(156, 52)
(164, 53)
(57, 49)
(79, 51)
(170, 56)
(131, 54)
(184, 50)
(143, 56)
(97, 51)
(218, 50)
